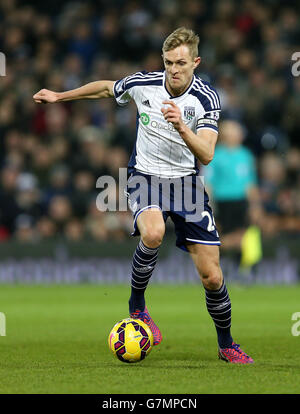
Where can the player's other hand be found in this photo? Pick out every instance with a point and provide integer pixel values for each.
(45, 96)
(172, 114)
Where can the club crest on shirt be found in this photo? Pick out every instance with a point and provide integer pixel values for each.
(189, 112)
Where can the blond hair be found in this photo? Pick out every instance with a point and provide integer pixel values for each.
(182, 36)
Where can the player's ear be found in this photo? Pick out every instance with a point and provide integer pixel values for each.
(197, 61)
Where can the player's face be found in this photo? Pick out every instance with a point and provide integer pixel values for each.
(179, 66)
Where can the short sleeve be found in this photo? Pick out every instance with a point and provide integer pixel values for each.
(130, 87)
(210, 102)
(122, 91)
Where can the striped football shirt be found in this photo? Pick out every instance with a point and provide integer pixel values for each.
(159, 149)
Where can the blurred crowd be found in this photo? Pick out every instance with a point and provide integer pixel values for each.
(52, 155)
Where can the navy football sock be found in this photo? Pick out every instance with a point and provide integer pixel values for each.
(219, 307)
(143, 264)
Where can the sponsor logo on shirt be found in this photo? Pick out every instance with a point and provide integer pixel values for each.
(166, 126)
(145, 118)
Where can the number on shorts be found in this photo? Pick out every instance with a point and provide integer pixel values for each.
(211, 226)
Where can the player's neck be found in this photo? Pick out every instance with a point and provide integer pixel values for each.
(177, 92)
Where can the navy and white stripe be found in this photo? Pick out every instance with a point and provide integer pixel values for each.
(211, 94)
(219, 307)
(137, 79)
(143, 264)
(209, 99)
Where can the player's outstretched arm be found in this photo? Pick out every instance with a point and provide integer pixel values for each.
(92, 90)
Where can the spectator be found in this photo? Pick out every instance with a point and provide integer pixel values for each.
(60, 211)
(74, 230)
(45, 228)
(9, 209)
(83, 192)
(24, 229)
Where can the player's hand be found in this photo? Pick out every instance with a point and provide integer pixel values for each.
(172, 114)
(45, 96)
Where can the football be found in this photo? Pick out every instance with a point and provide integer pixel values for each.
(130, 340)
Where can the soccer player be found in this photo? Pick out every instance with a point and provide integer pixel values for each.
(177, 125)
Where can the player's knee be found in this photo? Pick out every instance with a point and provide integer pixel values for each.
(153, 236)
(212, 278)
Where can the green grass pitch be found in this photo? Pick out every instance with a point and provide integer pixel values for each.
(56, 341)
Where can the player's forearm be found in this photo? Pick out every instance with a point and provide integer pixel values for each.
(202, 148)
(92, 90)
